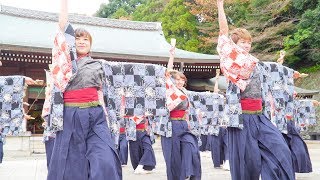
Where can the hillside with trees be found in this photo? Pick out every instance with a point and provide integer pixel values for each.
(292, 25)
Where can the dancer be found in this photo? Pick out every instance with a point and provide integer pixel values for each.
(181, 152)
(12, 93)
(219, 143)
(299, 150)
(123, 145)
(142, 155)
(84, 148)
(256, 146)
(1, 146)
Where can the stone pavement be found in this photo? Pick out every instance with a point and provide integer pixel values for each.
(21, 167)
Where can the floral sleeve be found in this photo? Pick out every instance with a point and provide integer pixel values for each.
(173, 95)
(61, 62)
(235, 63)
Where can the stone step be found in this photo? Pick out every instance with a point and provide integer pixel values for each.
(36, 145)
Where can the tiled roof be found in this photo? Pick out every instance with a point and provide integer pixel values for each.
(31, 30)
(81, 19)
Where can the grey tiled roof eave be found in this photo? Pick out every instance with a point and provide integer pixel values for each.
(35, 30)
(81, 19)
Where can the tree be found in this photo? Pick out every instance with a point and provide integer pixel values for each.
(206, 13)
(304, 44)
(150, 11)
(127, 8)
(179, 23)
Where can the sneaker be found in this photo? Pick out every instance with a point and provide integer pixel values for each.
(226, 165)
(150, 171)
(140, 170)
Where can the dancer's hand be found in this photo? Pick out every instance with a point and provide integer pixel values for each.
(63, 16)
(281, 58)
(303, 75)
(28, 117)
(29, 81)
(44, 124)
(297, 75)
(223, 24)
(172, 52)
(316, 103)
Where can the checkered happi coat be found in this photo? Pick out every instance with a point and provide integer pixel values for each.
(282, 89)
(11, 104)
(134, 91)
(211, 110)
(304, 113)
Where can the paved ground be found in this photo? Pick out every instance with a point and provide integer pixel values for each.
(16, 167)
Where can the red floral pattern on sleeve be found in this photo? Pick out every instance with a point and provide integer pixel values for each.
(235, 63)
(173, 95)
(61, 62)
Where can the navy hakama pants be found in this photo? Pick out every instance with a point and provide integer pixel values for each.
(258, 148)
(1, 151)
(181, 153)
(123, 149)
(84, 149)
(205, 143)
(141, 151)
(49, 147)
(219, 147)
(299, 150)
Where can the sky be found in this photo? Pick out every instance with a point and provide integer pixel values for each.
(88, 7)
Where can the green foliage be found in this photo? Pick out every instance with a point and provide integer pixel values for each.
(238, 12)
(150, 11)
(260, 3)
(120, 13)
(311, 69)
(302, 5)
(306, 40)
(290, 24)
(128, 6)
(179, 23)
(297, 38)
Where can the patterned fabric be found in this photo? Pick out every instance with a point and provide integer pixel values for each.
(48, 90)
(173, 94)
(135, 91)
(11, 105)
(47, 133)
(282, 89)
(63, 70)
(233, 107)
(210, 110)
(235, 63)
(304, 113)
(162, 125)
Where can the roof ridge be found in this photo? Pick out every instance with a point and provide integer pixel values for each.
(81, 19)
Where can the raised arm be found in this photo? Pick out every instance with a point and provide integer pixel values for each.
(223, 23)
(281, 58)
(216, 84)
(63, 16)
(172, 52)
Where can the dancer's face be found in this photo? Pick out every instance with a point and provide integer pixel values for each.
(179, 82)
(244, 44)
(83, 45)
